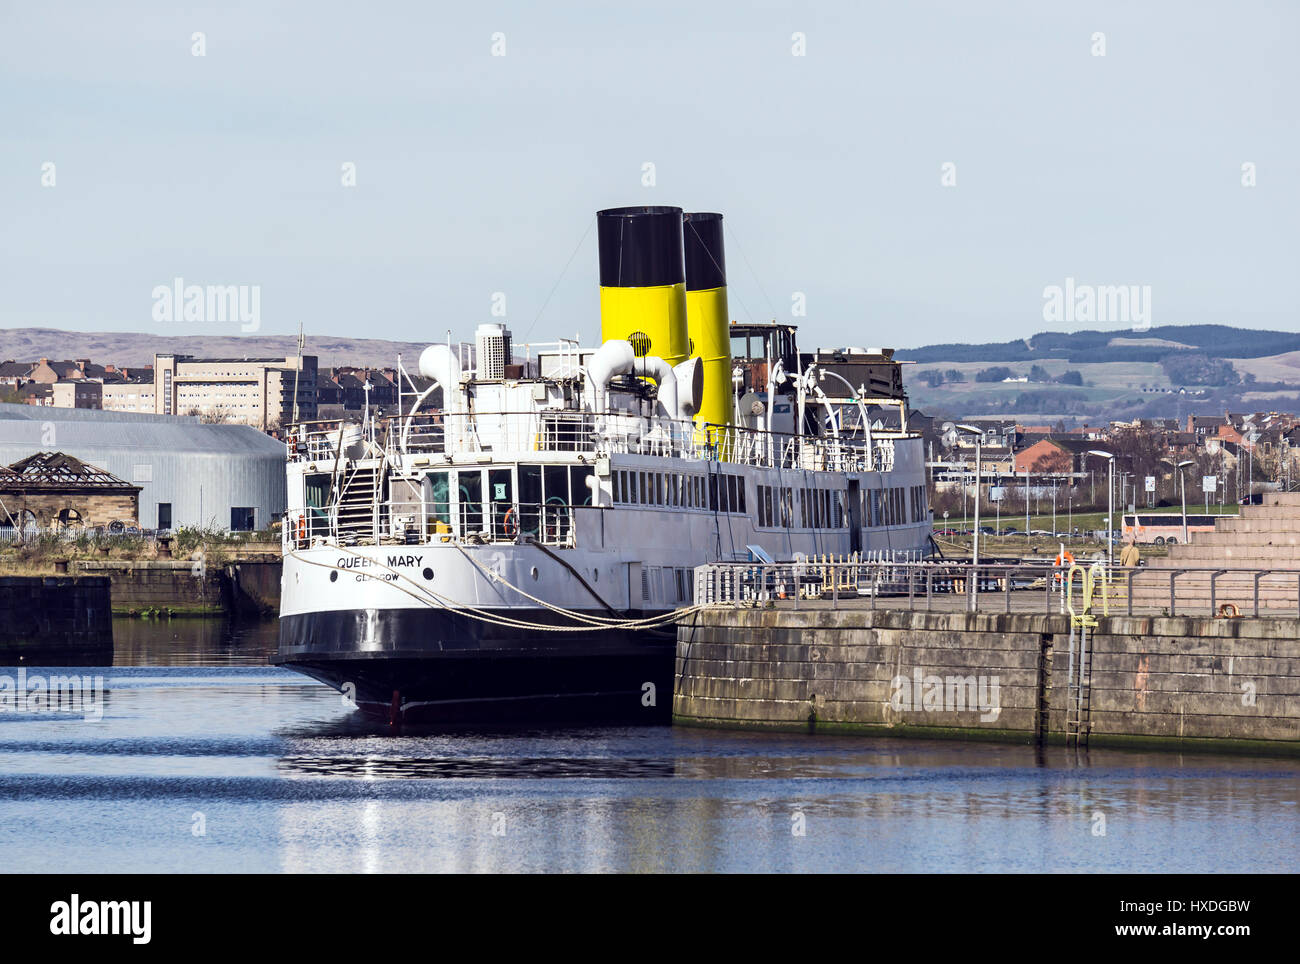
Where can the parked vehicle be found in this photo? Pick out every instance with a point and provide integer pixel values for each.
(1165, 528)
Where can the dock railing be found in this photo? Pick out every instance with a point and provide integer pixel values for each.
(998, 587)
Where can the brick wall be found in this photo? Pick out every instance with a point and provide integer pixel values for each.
(93, 509)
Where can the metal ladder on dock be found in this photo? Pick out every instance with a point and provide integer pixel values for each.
(1078, 691)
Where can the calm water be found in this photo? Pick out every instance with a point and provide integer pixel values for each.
(280, 776)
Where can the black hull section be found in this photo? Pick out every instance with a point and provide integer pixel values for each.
(438, 666)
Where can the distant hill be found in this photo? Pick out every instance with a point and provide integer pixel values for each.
(137, 348)
(1218, 341)
(1170, 371)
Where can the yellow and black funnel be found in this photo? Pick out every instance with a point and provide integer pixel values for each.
(642, 280)
(707, 318)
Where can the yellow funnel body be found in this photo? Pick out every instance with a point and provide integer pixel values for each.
(652, 318)
(709, 329)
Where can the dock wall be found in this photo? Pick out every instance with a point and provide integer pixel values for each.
(55, 619)
(188, 587)
(1226, 683)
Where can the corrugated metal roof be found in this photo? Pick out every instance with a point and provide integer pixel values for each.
(37, 413)
(130, 430)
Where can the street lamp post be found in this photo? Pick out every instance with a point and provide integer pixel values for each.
(1182, 486)
(1026, 501)
(975, 541)
(1110, 504)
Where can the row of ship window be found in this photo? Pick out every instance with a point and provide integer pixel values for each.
(717, 491)
(779, 507)
(783, 507)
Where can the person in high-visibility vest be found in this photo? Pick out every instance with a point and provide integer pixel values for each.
(1064, 560)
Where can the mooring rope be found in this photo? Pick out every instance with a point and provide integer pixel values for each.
(486, 616)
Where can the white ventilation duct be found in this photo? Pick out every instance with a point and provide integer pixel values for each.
(680, 389)
(351, 441)
(690, 386)
(614, 357)
(666, 378)
(439, 363)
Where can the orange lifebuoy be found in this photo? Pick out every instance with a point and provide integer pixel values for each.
(505, 523)
(302, 527)
(1229, 611)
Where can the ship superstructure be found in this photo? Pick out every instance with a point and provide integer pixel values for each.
(522, 548)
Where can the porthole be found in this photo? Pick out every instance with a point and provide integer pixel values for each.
(595, 575)
(334, 575)
(427, 573)
(534, 573)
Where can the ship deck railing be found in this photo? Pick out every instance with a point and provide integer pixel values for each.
(512, 436)
(398, 523)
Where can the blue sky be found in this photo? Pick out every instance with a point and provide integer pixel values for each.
(479, 174)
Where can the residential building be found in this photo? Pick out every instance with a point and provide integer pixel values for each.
(130, 396)
(77, 393)
(246, 391)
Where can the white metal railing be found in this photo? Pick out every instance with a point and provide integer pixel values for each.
(397, 522)
(1000, 587)
(900, 580)
(357, 461)
(510, 435)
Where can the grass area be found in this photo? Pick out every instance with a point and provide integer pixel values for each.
(1083, 545)
(1035, 547)
(37, 554)
(1271, 368)
(1083, 521)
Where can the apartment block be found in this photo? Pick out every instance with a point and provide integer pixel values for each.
(247, 391)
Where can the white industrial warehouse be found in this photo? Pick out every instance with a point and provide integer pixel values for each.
(190, 473)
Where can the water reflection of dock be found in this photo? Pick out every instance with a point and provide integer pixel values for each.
(192, 641)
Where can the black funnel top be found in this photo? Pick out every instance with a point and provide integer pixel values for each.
(640, 247)
(706, 267)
